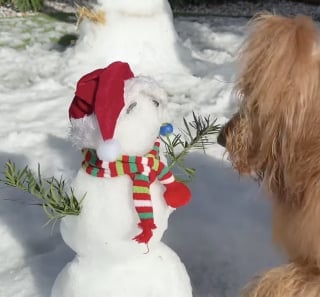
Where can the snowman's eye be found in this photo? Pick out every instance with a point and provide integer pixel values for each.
(156, 103)
(131, 106)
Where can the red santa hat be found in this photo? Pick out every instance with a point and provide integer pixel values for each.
(101, 92)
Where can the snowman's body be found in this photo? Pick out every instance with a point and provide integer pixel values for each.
(108, 220)
(109, 263)
(139, 32)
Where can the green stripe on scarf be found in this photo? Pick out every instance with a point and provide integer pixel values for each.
(142, 177)
(141, 190)
(164, 171)
(93, 157)
(132, 159)
(94, 172)
(133, 167)
(145, 215)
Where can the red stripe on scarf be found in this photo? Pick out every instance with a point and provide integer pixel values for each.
(88, 157)
(99, 164)
(100, 173)
(125, 163)
(141, 183)
(113, 169)
(144, 209)
(141, 196)
(150, 162)
(153, 152)
(140, 168)
(125, 158)
(89, 170)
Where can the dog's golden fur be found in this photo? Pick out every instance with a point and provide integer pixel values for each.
(292, 280)
(276, 134)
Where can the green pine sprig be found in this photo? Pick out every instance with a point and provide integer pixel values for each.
(196, 134)
(52, 192)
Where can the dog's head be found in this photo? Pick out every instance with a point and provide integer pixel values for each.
(277, 127)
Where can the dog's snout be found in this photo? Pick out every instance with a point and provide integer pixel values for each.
(226, 128)
(221, 139)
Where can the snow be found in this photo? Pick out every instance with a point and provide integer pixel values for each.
(142, 34)
(250, 8)
(224, 235)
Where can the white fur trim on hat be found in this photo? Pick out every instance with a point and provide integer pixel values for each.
(85, 132)
(144, 85)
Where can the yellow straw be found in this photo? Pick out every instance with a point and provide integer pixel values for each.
(98, 17)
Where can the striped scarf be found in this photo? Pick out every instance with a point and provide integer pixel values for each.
(143, 171)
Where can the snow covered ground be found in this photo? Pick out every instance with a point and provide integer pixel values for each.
(223, 236)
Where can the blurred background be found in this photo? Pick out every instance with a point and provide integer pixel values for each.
(212, 7)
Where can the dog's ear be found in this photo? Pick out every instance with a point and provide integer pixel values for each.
(279, 68)
(278, 86)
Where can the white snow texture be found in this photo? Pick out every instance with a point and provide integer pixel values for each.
(223, 237)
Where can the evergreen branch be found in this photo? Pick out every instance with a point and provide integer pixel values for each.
(55, 200)
(194, 135)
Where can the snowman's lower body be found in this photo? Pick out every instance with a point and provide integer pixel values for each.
(158, 273)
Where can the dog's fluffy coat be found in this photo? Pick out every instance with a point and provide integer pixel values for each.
(276, 135)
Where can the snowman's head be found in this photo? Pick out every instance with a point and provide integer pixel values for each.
(117, 113)
(139, 122)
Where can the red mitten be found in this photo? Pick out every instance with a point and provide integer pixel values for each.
(146, 234)
(177, 194)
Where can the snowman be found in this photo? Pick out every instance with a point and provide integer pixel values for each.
(139, 32)
(129, 192)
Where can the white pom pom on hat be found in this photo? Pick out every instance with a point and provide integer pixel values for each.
(101, 92)
(109, 150)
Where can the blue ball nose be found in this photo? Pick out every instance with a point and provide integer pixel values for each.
(166, 129)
